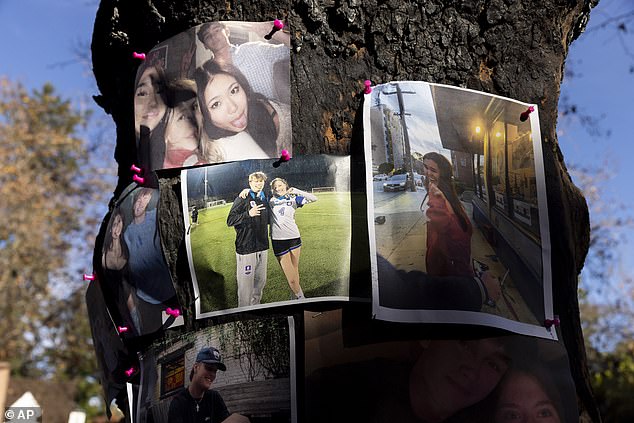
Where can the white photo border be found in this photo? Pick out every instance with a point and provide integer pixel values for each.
(456, 316)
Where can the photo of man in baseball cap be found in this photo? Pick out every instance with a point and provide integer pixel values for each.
(198, 402)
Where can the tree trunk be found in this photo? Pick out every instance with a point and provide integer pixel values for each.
(505, 47)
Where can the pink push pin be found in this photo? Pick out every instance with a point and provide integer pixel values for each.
(129, 371)
(140, 56)
(134, 168)
(551, 322)
(138, 179)
(277, 25)
(524, 114)
(368, 88)
(122, 329)
(89, 277)
(283, 158)
(173, 312)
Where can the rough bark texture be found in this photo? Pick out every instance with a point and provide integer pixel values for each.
(511, 48)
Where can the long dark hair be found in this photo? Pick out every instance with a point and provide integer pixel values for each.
(151, 144)
(260, 124)
(108, 240)
(174, 94)
(446, 186)
(148, 64)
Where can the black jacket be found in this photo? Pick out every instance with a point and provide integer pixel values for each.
(252, 233)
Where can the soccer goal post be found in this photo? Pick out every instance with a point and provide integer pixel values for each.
(216, 203)
(323, 189)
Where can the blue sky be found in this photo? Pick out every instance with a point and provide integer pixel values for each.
(38, 35)
(421, 124)
(41, 39)
(41, 43)
(603, 88)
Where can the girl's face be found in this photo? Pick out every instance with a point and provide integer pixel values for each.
(523, 399)
(431, 171)
(279, 188)
(226, 103)
(149, 107)
(182, 128)
(451, 375)
(117, 226)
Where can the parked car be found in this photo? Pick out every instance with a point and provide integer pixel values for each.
(380, 177)
(396, 183)
(418, 179)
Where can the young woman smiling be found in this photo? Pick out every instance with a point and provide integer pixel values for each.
(237, 122)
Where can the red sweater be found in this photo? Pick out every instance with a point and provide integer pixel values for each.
(448, 246)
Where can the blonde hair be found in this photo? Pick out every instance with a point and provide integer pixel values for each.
(258, 176)
(211, 150)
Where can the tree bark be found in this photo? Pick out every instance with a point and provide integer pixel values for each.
(505, 47)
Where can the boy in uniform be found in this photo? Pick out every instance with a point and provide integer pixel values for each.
(250, 218)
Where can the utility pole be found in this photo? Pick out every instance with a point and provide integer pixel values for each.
(407, 162)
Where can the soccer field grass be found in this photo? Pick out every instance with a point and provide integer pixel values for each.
(324, 265)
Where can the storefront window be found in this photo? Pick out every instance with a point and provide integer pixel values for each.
(522, 182)
(498, 165)
(173, 374)
(481, 178)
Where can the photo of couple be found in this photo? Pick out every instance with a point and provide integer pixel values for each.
(457, 205)
(215, 93)
(137, 283)
(235, 213)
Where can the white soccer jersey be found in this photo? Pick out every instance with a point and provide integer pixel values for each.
(283, 208)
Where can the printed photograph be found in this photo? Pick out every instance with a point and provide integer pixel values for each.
(259, 236)
(137, 283)
(512, 378)
(113, 357)
(215, 93)
(234, 372)
(457, 206)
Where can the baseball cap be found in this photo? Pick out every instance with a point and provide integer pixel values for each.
(210, 355)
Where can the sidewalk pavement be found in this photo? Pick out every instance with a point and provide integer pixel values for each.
(402, 241)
